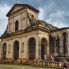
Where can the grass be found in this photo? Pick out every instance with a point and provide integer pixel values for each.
(7, 66)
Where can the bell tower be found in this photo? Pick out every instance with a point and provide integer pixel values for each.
(19, 17)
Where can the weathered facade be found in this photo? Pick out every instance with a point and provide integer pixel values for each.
(28, 38)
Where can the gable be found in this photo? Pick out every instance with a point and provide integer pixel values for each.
(15, 9)
(19, 6)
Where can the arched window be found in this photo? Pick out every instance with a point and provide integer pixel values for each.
(65, 43)
(16, 25)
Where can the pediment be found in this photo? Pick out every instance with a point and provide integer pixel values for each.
(16, 9)
(19, 6)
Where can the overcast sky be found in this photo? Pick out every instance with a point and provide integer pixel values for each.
(55, 12)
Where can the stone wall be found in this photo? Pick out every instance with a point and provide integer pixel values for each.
(21, 17)
(23, 44)
(59, 34)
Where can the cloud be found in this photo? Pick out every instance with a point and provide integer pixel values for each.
(41, 14)
(55, 12)
(56, 18)
(3, 19)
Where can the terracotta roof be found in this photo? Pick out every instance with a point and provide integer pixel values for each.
(24, 5)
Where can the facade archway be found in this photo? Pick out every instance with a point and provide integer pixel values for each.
(65, 50)
(4, 50)
(16, 50)
(43, 48)
(58, 46)
(32, 48)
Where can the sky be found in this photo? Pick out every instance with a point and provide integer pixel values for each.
(55, 12)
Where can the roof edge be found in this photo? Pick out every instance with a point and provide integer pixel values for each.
(60, 29)
(27, 5)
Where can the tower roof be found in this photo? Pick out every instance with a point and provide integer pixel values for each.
(22, 5)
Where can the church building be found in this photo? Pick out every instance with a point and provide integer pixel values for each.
(29, 38)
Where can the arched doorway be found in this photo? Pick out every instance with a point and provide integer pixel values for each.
(16, 50)
(43, 48)
(32, 48)
(4, 50)
(65, 50)
(58, 46)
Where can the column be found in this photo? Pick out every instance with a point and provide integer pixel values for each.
(47, 46)
(24, 48)
(9, 50)
(55, 47)
(20, 44)
(12, 50)
(38, 46)
(7, 56)
(61, 46)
